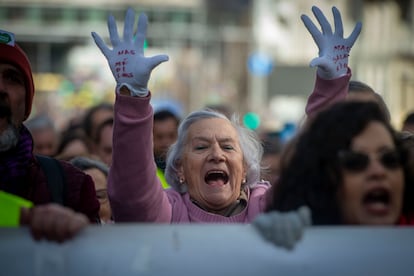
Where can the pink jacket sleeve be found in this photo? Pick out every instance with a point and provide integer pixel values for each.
(135, 192)
(327, 92)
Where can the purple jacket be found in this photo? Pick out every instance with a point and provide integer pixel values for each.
(79, 193)
(135, 192)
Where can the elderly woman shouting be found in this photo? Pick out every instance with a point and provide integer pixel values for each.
(215, 164)
(213, 168)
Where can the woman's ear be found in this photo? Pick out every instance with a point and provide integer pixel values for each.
(244, 179)
(180, 170)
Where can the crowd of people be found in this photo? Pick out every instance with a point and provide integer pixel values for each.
(126, 162)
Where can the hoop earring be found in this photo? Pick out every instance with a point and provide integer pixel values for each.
(181, 180)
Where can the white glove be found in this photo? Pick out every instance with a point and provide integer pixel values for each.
(333, 47)
(283, 229)
(126, 60)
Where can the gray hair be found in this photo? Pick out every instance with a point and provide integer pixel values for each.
(85, 163)
(249, 143)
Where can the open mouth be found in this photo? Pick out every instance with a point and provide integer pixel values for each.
(216, 178)
(377, 200)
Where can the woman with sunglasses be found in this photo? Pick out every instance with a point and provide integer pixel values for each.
(348, 166)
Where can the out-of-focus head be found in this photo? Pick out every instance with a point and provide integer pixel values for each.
(272, 149)
(45, 136)
(103, 141)
(72, 144)
(373, 178)
(359, 91)
(347, 166)
(99, 173)
(213, 159)
(408, 123)
(165, 130)
(94, 116)
(16, 90)
(12, 54)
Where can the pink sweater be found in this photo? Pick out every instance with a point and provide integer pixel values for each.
(327, 92)
(135, 191)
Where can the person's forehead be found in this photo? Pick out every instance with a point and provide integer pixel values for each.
(167, 125)
(101, 115)
(373, 135)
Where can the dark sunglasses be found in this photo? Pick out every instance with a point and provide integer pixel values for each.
(357, 161)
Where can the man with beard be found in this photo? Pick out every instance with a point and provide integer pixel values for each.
(21, 173)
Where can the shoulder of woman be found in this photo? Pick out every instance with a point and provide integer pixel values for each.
(260, 187)
(263, 183)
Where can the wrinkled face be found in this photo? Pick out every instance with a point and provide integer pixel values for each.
(212, 164)
(12, 104)
(164, 135)
(100, 181)
(373, 195)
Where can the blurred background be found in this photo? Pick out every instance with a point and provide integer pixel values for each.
(250, 56)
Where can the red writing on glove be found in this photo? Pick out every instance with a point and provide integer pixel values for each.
(126, 52)
(342, 48)
(120, 69)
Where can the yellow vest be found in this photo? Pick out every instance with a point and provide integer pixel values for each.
(161, 177)
(10, 209)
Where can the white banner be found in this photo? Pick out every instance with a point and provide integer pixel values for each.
(206, 249)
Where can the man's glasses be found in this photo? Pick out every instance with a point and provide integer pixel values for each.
(357, 161)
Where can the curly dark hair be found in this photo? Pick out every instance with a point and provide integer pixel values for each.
(311, 173)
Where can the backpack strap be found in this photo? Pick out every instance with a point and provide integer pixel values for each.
(55, 177)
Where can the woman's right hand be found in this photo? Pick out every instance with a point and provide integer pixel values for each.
(128, 64)
(334, 49)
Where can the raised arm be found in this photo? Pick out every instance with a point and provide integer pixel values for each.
(135, 193)
(131, 69)
(333, 73)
